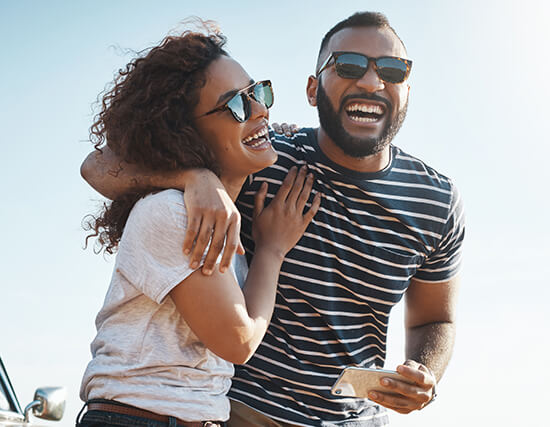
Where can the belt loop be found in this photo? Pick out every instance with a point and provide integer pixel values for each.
(172, 422)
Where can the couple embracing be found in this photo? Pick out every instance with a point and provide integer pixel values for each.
(338, 224)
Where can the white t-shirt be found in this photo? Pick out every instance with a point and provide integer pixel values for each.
(144, 353)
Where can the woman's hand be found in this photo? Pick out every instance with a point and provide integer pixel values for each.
(285, 128)
(279, 226)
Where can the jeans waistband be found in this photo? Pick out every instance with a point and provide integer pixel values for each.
(98, 406)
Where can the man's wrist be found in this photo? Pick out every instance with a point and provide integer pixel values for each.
(434, 395)
(434, 392)
(181, 179)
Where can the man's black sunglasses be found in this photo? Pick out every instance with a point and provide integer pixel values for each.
(239, 104)
(352, 65)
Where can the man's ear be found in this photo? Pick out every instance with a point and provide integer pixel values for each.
(311, 90)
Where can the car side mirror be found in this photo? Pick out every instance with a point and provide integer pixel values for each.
(48, 404)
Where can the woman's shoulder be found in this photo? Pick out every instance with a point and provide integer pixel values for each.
(170, 198)
(160, 208)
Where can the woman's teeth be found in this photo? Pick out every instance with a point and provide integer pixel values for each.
(257, 144)
(258, 135)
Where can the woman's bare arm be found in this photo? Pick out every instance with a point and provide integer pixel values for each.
(232, 323)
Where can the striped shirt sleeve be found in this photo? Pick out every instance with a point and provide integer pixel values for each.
(444, 261)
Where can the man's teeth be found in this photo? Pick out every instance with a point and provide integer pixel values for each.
(364, 113)
(365, 108)
(257, 135)
(363, 119)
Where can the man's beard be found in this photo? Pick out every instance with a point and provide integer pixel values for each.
(350, 145)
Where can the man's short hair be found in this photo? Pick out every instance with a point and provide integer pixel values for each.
(359, 19)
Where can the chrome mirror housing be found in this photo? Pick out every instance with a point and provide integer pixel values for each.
(48, 404)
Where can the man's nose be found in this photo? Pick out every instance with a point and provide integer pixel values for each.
(370, 81)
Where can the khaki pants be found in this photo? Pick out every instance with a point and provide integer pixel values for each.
(244, 416)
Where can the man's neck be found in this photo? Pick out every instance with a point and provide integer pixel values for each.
(373, 163)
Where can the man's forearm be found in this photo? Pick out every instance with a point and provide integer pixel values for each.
(111, 176)
(432, 345)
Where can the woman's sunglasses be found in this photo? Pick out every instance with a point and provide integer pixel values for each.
(239, 104)
(352, 65)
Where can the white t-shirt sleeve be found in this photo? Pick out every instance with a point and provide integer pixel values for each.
(150, 254)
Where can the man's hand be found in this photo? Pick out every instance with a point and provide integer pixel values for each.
(403, 397)
(212, 217)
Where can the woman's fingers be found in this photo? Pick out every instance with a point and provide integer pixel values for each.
(276, 128)
(304, 194)
(259, 200)
(297, 186)
(284, 128)
(308, 216)
(286, 186)
(287, 129)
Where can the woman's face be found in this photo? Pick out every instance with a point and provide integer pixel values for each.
(237, 151)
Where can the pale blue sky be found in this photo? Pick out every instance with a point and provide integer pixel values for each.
(478, 113)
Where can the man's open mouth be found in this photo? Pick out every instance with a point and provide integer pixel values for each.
(362, 112)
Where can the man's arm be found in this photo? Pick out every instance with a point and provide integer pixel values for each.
(212, 215)
(112, 177)
(430, 334)
(430, 323)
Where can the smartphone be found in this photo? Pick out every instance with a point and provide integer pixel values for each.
(357, 382)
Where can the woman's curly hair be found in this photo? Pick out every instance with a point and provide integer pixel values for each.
(147, 118)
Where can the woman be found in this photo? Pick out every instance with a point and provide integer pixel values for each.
(167, 334)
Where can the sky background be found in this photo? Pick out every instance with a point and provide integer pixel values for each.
(477, 113)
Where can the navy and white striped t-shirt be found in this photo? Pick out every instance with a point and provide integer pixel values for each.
(371, 235)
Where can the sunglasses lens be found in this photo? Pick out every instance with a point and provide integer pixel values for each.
(351, 65)
(239, 107)
(391, 70)
(263, 93)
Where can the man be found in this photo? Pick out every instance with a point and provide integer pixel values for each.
(388, 226)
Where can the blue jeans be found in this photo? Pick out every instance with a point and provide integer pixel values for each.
(110, 419)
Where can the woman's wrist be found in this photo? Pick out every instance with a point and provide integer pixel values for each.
(270, 250)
